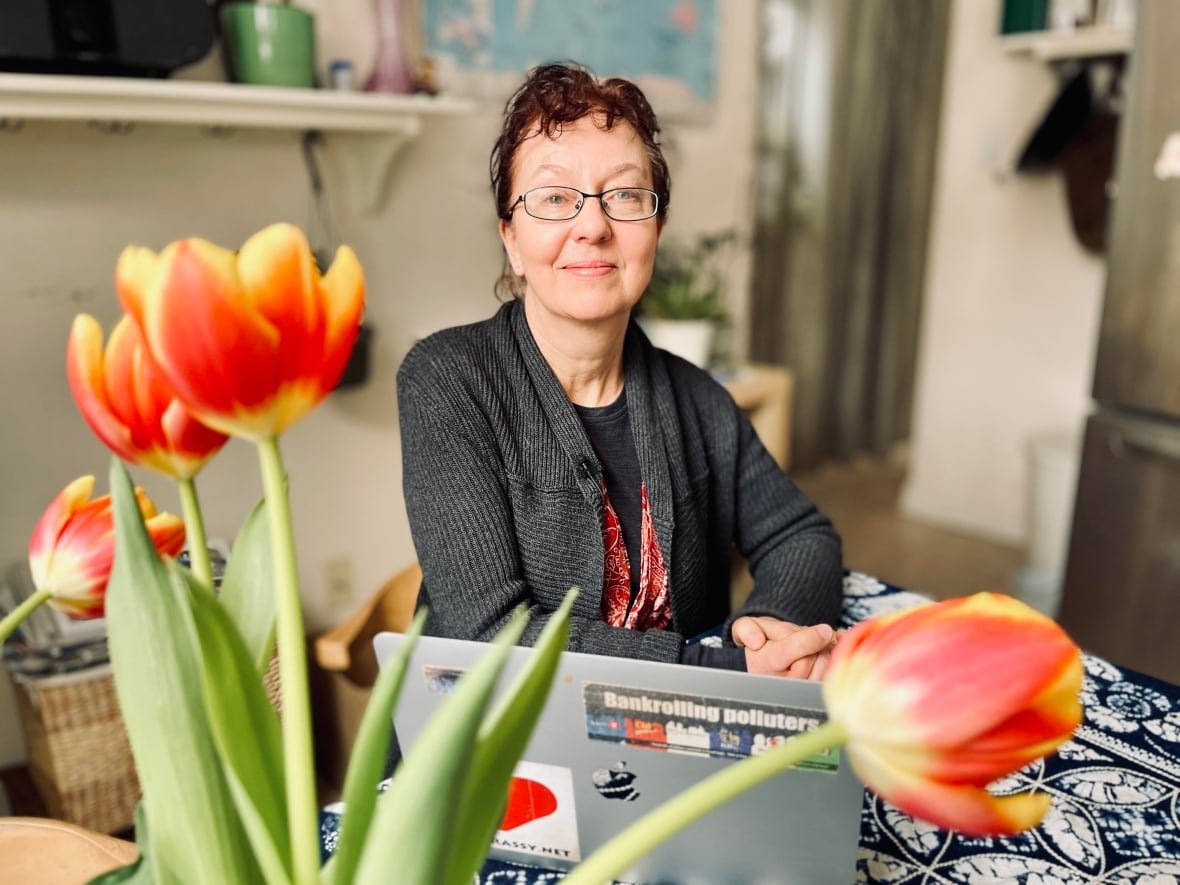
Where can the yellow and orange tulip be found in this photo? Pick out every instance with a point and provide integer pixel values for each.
(130, 406)
(251, 340)
(73, 546)
(941, 700)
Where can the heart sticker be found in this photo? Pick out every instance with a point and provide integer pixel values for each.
(528, 800)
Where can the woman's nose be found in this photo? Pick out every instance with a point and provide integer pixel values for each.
(592, 222)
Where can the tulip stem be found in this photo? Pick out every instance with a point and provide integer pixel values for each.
(666, 820)
(298, 763)
(194, 531)
(13, 619)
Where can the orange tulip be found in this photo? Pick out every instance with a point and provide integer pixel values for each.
(73, 546)
(252, 340)
(941, 700)
(130, 406)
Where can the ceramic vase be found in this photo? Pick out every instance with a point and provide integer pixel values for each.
(391, 70)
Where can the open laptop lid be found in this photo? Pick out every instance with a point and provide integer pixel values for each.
(619, 736)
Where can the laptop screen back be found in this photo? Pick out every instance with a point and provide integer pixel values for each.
(619, 736)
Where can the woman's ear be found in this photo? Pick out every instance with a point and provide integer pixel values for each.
(508, 238)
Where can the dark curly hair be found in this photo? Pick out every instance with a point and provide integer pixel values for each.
(553, 95)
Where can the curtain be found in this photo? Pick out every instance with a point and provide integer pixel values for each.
(851, 98)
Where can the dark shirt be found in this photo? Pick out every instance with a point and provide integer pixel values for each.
(609, 431)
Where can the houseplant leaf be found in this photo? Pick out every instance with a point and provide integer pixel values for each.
(195, 834)
(246, 729)
(414, 826)
(368, 759)
(502, 740)
(250, 567)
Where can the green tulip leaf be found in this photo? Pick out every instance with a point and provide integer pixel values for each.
(414, 826)
(139, 871)
(502, 739)
(195, 834)
(246, 729)
(135, 873)
(368, 759)
(246, 588)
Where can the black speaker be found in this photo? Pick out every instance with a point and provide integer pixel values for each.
(141, 38)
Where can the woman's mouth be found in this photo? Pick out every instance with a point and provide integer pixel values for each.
(589, 269)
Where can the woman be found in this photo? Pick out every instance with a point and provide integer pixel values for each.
(552, 446)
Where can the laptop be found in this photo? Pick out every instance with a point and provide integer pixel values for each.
(619, 736)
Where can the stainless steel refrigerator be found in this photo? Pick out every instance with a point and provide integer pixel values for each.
(1121, 596)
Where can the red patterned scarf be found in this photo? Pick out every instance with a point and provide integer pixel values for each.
(651, 610)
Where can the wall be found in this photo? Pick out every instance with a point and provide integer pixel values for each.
(1012, 302)
(72, 197)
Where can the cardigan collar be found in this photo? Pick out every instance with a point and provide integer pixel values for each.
(653, 422)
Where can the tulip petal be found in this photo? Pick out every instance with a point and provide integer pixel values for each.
(129, 405)
(962, 807)
(135, 275)
(86, 372)
(188, 444)
(167, 533)
(220, 355)
(280, 281)
(344, 290)
(966, 808)
(1014, 653)
(49, 527)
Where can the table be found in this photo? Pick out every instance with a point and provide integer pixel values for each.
(1115, 787)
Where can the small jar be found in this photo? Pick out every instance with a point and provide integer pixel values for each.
(340, 75)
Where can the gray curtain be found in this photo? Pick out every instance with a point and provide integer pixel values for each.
(851, 99)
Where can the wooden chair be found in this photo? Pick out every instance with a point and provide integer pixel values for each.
(346, 669)
(348, 647)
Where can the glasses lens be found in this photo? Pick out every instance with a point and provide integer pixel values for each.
(630, 203)
(552, 203)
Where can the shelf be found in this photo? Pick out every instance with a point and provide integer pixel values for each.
(1061, 45)
(371, 127)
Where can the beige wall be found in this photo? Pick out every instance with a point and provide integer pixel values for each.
(1012, 301)
(71, 198)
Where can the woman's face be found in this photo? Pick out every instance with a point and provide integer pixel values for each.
(589, 268)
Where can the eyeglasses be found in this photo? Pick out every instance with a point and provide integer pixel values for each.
(564, 203)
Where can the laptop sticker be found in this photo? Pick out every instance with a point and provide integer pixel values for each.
(616, 782)
(540, 817)
(694, 724)
(440, 680)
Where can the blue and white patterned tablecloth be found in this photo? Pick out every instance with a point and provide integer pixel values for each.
(1115, 786)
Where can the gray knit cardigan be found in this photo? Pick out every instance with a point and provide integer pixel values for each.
(505, 504)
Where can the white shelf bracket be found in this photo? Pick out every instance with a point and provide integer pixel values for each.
(369, 157)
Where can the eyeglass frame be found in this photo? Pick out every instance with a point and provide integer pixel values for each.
(519, 201)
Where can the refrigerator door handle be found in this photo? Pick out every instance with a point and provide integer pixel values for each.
(1124, 443)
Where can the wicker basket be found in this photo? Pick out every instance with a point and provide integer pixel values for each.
(79, 756)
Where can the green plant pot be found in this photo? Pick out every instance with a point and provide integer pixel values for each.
(269, 45)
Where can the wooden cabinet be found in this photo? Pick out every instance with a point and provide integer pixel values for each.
(766, 394)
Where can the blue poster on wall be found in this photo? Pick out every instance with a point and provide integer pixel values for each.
(482, 47)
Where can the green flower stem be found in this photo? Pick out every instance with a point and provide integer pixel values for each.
(194, 531)
(698, 800)
(298, 763)
(13, 619)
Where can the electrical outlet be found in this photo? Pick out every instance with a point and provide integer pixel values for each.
(338, 580)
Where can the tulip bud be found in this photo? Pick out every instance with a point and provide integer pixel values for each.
(73, 546)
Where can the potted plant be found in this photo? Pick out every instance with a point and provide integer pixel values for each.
(682, 304)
